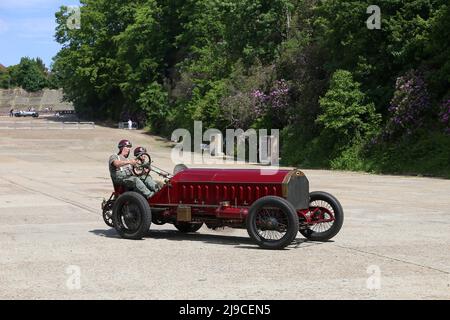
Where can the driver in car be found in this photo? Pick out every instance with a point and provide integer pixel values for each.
(121, 170)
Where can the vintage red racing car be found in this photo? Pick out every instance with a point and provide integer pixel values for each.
(272, 207)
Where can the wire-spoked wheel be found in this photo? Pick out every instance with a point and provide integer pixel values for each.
(107, 212)
(326, 217)
(272, 222)
(131, 215)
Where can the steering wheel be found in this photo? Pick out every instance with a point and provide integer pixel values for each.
(144, 164)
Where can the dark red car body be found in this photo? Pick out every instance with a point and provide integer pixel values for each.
(226, 197)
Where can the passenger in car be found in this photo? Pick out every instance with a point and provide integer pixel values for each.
(146, 178)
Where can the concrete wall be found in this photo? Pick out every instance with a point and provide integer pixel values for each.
(20, 99)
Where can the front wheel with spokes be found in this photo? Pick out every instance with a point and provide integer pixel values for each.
(272, 222)
(326, 217)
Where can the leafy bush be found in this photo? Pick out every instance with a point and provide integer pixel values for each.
(426, 153)
(206, 107)
(351, 158)
(345, 115)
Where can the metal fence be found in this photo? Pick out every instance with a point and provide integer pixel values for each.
(126, 125)
(34, 125)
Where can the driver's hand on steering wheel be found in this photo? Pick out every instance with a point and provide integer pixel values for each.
(133, 162)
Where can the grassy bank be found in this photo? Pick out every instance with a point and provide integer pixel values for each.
(426, 154)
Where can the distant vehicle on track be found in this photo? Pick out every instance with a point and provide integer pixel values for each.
(21, 113)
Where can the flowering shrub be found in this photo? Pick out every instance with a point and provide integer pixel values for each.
(259, 102)
(409, 105)
(273, 103)
(445, 115)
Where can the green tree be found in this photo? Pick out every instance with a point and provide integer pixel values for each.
(29, 74)
(107, 64)
(154, 102)
(345, 111)
(375, 57)
(5, 78)
(438, 50)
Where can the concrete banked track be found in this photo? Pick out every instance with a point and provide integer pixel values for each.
(20, 99)
(394, 244)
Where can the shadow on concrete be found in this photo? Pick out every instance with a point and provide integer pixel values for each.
(62, 118)
(198, 236)
(108, 233)
(238, 242)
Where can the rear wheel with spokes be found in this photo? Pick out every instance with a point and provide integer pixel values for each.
(272, 222)
(326, 217)
(107, 210)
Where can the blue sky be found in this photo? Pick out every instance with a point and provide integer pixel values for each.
(27, 29)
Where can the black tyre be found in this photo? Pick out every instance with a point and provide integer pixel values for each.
(272, 222)
(326, 207)
(186, 227)
(131, 215)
